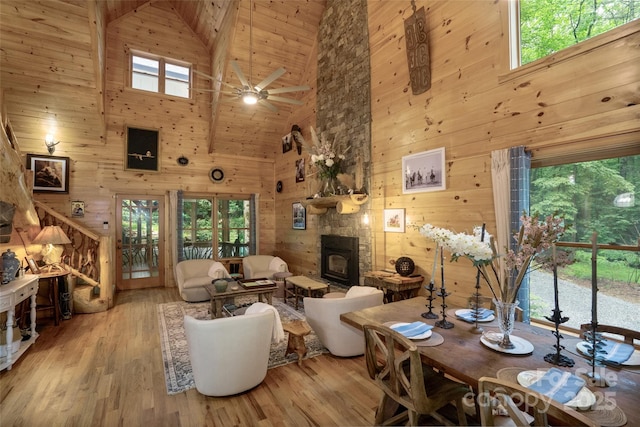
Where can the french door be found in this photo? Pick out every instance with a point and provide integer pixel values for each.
(140, 243)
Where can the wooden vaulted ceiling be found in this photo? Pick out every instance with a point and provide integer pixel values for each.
(52, 58)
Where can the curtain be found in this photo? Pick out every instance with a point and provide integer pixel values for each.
(253, 229)
(510, 178)
(520, 165)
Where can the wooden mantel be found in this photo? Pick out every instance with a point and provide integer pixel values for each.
(346, 204)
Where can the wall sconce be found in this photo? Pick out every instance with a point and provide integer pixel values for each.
(50, 143)
(365, 219)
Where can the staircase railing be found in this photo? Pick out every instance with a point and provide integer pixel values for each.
(88, 256)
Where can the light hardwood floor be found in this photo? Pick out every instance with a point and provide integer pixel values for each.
(81, 373)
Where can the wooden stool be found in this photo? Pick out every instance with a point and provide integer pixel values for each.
(297, 330)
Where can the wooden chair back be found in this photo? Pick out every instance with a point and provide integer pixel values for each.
(516, 399)
(394, 362)
(628, 335)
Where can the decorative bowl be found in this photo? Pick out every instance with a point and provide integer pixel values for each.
(405, 266)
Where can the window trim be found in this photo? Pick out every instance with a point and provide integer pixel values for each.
(582, 48)
(162, 62)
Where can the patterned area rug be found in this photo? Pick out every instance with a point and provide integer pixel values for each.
(177, 367)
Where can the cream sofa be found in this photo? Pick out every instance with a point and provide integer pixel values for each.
(262, 266)
(323, 315)
(193, 274)
(231, 354)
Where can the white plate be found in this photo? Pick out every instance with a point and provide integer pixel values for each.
(492, 340)
(463, 311)
(422, 336)
(634, 360)
(583, 400)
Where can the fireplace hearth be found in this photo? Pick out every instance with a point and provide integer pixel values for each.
(339, 259)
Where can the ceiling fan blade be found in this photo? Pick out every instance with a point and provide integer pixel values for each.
(207, 76)
(273, 76)
(269, 105)
(238, 71)
(224, 92)
(286, 100)
(288, 89)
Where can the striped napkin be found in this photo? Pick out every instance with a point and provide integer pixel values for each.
(471, 315)
(559, 385)
(613, 352)
(411, 329)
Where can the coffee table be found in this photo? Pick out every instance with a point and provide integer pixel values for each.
(264, 293)
(301, 286)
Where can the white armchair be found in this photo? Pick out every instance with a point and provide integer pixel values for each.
(229, 355)
(323, 315)
(258, 266)
(193, 274)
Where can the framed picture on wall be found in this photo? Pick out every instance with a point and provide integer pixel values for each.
(287, 143)
(142, 149)
(50, 173)
(394, 220)
(299, 216)
(423, 172)
(300, 170)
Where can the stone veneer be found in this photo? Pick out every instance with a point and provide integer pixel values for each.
(344, 108)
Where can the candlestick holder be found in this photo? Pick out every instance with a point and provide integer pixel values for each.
(593, 350)
(443, 323)
(557, 358)
(430, 314)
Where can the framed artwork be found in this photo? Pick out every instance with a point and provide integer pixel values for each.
(50, 173)
(394, 220)
(287, 143)
(299, 170)
(299, 216)
(423, 172)
(33, 266)
(142, 149)
(77, 209)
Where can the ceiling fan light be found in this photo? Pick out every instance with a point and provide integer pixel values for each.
(250, 98)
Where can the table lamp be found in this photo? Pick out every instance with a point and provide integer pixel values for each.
(52, 237)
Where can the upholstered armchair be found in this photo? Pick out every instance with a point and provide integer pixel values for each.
(229, 355)
(193, 274)
(323, 315)
(262, 266)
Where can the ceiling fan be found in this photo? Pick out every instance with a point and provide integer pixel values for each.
(258, 94)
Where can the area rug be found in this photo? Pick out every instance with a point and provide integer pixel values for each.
(177, 367)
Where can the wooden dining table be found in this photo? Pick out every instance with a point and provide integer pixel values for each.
(463, 356)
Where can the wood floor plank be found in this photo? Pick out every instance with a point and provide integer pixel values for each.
(106, 369)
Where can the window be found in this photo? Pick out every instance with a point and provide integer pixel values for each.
(160, 75)
(547, 26)
(594, 196)
(232, 220)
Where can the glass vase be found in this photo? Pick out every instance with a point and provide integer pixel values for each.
(329, 187)
(506, 313)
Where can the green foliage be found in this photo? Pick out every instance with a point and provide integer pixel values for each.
(547, 26)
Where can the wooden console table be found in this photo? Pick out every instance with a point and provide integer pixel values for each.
(395, 286)
(11, 295)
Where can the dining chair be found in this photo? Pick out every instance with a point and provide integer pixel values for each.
(513, 397)
(628, 335)
(393, 361)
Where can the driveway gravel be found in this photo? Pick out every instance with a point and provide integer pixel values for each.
(575, 302)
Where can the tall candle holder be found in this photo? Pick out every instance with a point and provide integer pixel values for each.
(592, 336)
(476, 328)
(557, 358)
(443, 323)
(431, 288)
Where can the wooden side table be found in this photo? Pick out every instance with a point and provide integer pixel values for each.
(297, 330)
(395, 286)
(54, 278)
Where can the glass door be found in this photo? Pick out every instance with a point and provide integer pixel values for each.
(139, 252)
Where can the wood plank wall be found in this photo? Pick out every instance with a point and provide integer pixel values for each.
(584, 102)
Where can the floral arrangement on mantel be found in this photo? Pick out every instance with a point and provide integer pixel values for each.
(327, 158)
(534, 238)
